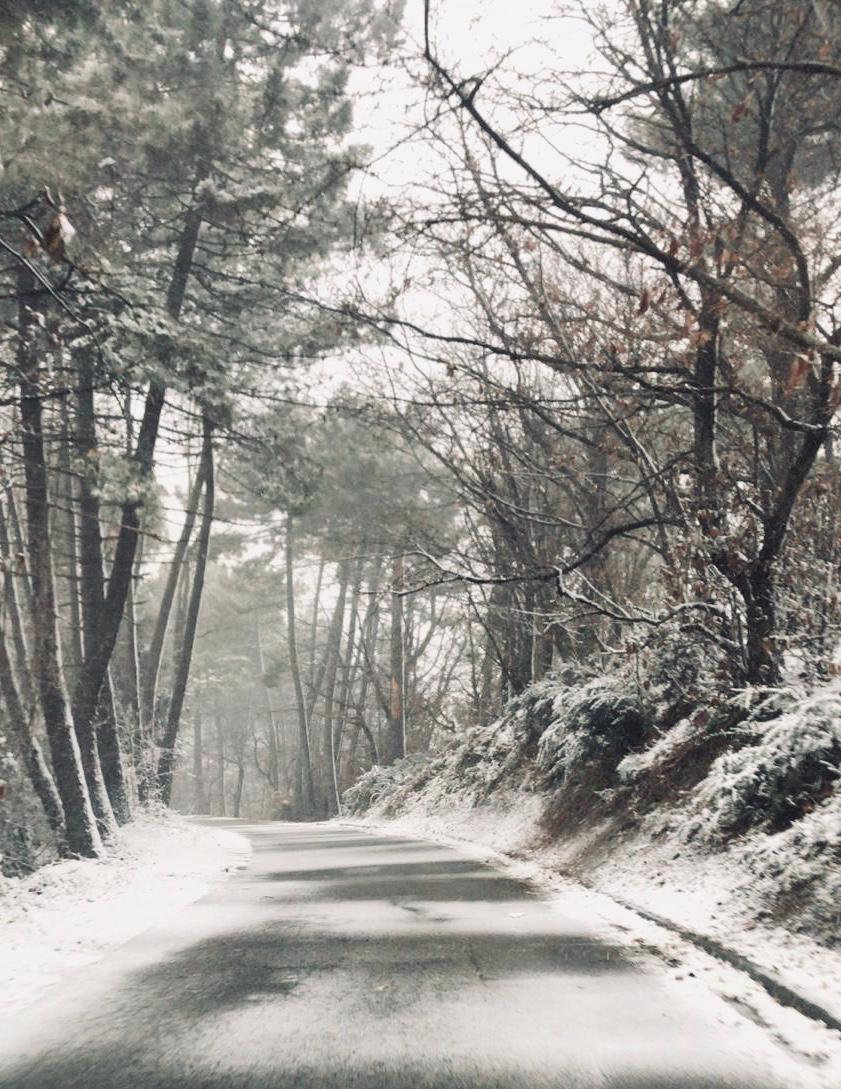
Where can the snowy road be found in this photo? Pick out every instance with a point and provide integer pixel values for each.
(342, 960)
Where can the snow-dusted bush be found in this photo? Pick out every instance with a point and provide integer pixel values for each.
(480, 761)
(379, 782)
(636, 764)
(799, 870)
(507, 748)
(788, 764)
(594, 726)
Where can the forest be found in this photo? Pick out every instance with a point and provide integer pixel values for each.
(392, 400)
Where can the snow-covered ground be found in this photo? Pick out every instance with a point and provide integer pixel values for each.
(705, 894)
(69, 914)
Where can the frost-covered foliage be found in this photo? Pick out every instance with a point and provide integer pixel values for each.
(379, 782)
(504, 752)
(637, 764)
(567, 731)
(593, 727)
(785, 766)
(799, 870)
(482, 761)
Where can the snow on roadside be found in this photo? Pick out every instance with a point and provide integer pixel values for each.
(718, 896)
(67, 915)
(700, 898)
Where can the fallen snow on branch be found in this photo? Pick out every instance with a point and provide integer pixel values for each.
(69, 914)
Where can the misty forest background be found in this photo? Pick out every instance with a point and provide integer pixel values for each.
(358, 377)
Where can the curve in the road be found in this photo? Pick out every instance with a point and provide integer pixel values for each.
(340, 960)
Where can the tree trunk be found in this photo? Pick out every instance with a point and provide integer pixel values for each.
(98, 655)
(82, 834)
(13, 611)
(240, 783)
(105, 775)
(185, 654)
(111, 753)
(316, 601)
(30, 752)
(198, 762)
(131, 670)
(395, 741)
(330, 790)
(304, 786)
(760, 626)
(149, 687)
(349, 668)
(274, 762)
(68, 498)
(220, 764)
(19, 547)
(368, 638)
(129, 675)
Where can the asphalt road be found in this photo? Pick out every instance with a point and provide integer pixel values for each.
(342, 960)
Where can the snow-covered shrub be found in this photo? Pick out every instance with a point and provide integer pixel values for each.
(501, 754)
(594, 726)
(787, 766)
(677, 675)
(479, 762)
(510, 745)
(380, 781)
(637, 764)
(799, 870)
(680, 756)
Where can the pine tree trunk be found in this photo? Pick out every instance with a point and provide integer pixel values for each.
(368, 638)
(68, 501)
(149, 686)
(330, 789)
(349, 668)
(30, 752)
(104, 771)
(395, 742)
(98, 655)
(13, 612)
(82, 834)
(111, 756)
(220, 764)
(274, 760)
(18, 544)
(185, 652)
(316, 602)
(130, 692)
(304, 786)
(129, 675)
(198, 762)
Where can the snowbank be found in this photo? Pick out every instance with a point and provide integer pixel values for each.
(68, 914)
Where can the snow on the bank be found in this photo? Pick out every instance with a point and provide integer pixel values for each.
(788, 761)
(68, 914)
(706, 894)
(636, 763)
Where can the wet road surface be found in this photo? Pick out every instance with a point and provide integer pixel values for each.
(341, 960)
